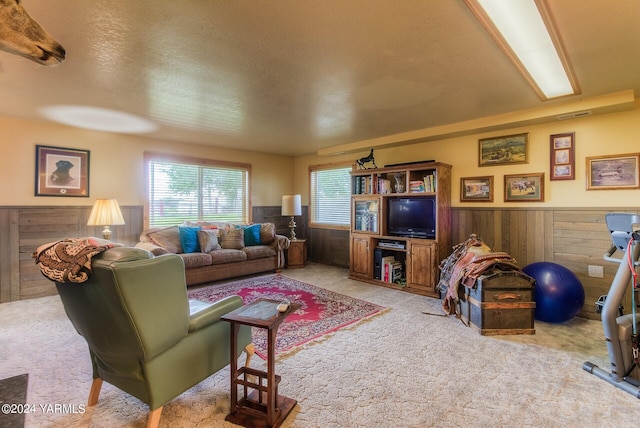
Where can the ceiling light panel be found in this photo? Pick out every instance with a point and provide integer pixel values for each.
(524, 31)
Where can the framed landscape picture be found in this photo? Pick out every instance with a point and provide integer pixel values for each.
(61, 172)
(506, 150)
(524, 187)
(476, 189)
(563, 164)
(613, 172)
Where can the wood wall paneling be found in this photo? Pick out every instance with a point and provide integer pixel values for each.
(24, 229)
(574, 238)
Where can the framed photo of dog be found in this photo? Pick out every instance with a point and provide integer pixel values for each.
(62, 172)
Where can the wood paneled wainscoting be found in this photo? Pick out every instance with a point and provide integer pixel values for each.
(23, 229)
(573, 238)
(326, 246)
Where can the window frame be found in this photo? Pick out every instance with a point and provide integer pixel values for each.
(149, 157)
(322, 167)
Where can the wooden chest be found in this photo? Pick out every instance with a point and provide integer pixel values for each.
(500, 303)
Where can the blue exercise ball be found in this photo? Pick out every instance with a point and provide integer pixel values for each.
(558, 294)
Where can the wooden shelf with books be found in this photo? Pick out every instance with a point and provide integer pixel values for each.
(401, 225)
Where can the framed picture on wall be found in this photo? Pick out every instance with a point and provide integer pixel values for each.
(613, 172)
(506, 150)
(524, 187)
(61, 172)
(563, 164)
(476, 189)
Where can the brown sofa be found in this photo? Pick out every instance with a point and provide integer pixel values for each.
(213, 251)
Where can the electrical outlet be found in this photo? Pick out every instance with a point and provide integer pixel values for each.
(596, 271)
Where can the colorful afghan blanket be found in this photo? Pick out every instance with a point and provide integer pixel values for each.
(69, 260)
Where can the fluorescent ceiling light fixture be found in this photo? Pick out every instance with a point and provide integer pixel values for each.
(99, 119)
(524, 31)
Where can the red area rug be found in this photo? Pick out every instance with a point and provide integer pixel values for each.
(322, 312)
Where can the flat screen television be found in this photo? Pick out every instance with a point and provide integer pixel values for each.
(412, 217)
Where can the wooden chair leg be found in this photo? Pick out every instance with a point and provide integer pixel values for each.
(250, 349)
(94, 392)
(154, 418)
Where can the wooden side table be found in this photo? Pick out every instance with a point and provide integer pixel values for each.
(297, 254)
(260, 405)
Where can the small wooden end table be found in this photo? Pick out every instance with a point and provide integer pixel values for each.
(297, 254)
(262, 406)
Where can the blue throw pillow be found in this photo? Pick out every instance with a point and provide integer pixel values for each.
(189, 239)
(252, 235)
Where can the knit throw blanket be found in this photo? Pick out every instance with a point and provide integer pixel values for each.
(69, 260)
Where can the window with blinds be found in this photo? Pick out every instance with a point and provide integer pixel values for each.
(330, 198)
(183, 189)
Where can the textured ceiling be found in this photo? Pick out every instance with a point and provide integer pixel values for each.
(295, 76)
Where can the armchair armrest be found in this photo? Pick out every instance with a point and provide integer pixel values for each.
(212, 313)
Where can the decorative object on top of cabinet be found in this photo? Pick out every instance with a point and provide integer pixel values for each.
(524, 187)
(562, 152)
(476, 189)
(506, 150)
(367, 159)
(613, 172)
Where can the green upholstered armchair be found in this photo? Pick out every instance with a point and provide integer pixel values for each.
(135, 315)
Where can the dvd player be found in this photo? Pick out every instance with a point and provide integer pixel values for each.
(392, 244)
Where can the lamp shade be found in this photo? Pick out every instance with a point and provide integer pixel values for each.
(105, 212)
(291, 205)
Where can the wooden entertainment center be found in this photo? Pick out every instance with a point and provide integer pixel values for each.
(401, 225)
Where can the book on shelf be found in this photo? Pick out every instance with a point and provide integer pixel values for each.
(385, 267)
(416, 186)
(430, 183)
(396, 271)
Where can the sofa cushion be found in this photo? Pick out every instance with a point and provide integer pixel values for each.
(259, 251)
(227, 256)
(208, 239)
(231, 239)
(168, 238)
(251, 234)
(189, 239)
(267, 233)
(194, 260)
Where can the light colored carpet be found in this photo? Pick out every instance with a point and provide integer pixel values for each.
(400, 369)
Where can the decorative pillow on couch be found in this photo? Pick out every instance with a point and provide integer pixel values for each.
(208, 239)
(189, 239)
(267, 233)
(168, 238)
(231, 238)
(251, 234)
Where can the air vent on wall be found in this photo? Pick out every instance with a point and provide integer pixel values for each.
(574, 115)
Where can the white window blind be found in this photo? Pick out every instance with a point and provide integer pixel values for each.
(330, 199)
(180, 191)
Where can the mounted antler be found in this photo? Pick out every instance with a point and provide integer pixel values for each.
(21, 35)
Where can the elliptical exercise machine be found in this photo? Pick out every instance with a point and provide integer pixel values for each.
(621, 332)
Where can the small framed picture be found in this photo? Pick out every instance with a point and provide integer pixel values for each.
(524, 187)
(476, 189)
(563, 164)
(61, 172)
(506, 150)
(613, 172)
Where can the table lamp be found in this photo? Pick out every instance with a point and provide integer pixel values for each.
(105, 212)
(291, 206)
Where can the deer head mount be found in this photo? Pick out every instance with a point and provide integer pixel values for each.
(22, 35)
